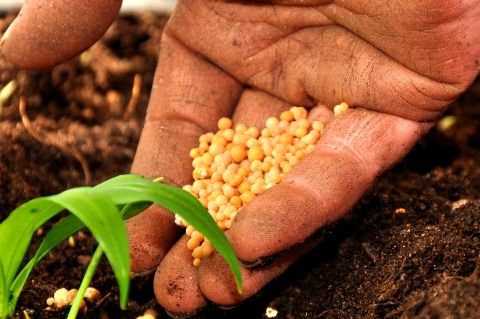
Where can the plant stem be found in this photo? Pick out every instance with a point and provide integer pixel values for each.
(5, 307)
(87, 278)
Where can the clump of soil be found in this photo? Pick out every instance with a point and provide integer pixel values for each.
(410, 248)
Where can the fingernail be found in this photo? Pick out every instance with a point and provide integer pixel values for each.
(141, 273)
(229, 307)
(261, 262)
(181, 315)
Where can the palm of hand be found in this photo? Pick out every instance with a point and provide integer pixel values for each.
(251, 61)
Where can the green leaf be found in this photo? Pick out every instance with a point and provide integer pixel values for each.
(132, 188)
(96, 208)
(65, 228)
(133, 209)
(101, 216)
(4, 295)
(16, 233)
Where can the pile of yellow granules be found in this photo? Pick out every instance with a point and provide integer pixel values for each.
(234, 165)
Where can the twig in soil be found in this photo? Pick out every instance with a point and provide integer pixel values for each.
(50, 140)
(134, 98)
(476, 272)
(98, 303)
(109, 61)
(369, 251)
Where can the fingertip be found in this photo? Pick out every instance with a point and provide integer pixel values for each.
(217, 283)
(47, 33)
(276, 220)
(151, 234)
(176, 282)
(180, 315)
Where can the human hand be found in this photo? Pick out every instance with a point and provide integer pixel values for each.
(252, 60)
(399, 64)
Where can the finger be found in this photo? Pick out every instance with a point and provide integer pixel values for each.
(452, 24)
(255, 107)
(217, 283)
(355, 149)
(176, 282)
(435, 32)
(150, 236)
(47, 33)
(181, 288)
(320, 61)
(188, 97)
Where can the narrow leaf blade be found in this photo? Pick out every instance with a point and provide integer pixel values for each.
(16, 233)
(101, 216)
(65, 228)
(132, 188)
(4, 295)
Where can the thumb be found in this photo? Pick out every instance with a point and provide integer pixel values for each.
(49, 32)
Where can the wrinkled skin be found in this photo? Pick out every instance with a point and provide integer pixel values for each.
(398, 63)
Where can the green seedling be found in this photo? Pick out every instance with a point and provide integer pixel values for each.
(102, 209)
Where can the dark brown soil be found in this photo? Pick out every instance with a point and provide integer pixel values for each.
(409, 250)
